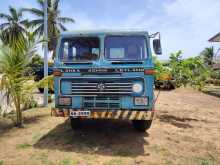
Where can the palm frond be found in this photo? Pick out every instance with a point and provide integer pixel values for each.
(39, 30)
(65, 20)
(13, 13)
(5, 16)
(62, 27)
(34, 11)
(4, 25)
(36, 22)
(56, 4)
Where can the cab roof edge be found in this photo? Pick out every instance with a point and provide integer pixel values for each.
(104, 31)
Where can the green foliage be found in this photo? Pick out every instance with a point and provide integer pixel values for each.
(215, 74)
(35, 64)
(23, 146)
(207, 55)
(13, 65)
(29, 103)
(68, 162)
(55, 21)
(190, 71)
(13, 28)
(161, 70)
(47, 82)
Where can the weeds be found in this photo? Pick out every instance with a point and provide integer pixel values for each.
(160, 150)
(23, 146)
(68, 162)
(209, 160)
(114, 162)
(43, 158)
(1, 162)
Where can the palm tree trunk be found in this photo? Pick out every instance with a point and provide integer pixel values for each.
(19, 121)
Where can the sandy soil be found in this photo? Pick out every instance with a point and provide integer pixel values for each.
(186, 131)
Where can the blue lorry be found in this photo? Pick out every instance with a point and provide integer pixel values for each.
(105, 75)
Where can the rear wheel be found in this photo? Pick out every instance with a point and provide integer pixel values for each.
(142, 125)
(75, 123)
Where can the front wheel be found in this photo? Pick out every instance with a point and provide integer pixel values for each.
(75, 123)
(142, 125)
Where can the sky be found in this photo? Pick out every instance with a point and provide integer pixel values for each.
(184, 24)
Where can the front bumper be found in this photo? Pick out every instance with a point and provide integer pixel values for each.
(108, 114)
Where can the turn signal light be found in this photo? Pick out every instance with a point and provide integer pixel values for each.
(57, 73)
(149, 72)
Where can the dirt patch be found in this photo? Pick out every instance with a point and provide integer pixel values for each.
(186, 131)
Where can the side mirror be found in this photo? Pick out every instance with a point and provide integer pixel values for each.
(157, 46)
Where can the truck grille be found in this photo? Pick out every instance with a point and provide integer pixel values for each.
(101, 102)
(101, 86)
(97, 86)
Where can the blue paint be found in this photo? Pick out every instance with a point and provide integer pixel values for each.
(127, 101)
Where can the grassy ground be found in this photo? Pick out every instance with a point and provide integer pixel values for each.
(186, 131)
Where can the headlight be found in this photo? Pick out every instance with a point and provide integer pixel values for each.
(65, 101)
(137, 88)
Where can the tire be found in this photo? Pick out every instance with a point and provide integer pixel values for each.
(75, 123)
(41, 90)
(142, 125)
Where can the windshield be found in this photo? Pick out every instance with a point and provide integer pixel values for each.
(125, 48)
(79, 49)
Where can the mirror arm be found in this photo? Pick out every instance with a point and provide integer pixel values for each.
(154, 35)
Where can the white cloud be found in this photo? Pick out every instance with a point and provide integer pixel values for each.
(184, 25)
(187, 25)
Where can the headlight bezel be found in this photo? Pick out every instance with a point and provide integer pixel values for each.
(137, 88)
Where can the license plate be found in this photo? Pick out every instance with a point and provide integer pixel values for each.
(80, 113)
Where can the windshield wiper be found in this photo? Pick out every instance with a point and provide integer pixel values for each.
(77, 62)
(127, 62)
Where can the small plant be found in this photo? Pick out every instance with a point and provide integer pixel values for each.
(13, 66)
(68, 162)
(160, 150)
(1, 162)
(23, 146)
(30, 103)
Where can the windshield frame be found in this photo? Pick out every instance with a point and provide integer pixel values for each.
(61, 49)
(127, 60)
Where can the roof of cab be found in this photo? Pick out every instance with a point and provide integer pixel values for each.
(103, 31)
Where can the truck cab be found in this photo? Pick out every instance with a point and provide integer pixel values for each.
(105, 75)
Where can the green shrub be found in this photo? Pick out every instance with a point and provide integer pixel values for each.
(215, 74)
(30, 103)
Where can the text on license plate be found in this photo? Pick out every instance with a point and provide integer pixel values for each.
(80, 113)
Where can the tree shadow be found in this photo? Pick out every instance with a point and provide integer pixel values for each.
(8, 123)
(34, 119)
(176, 121)
(104, 137)
(213, 93)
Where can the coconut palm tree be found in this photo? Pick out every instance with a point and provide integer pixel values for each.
(13, 27)
(208, 54)
(55, 21)
(14, 82)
